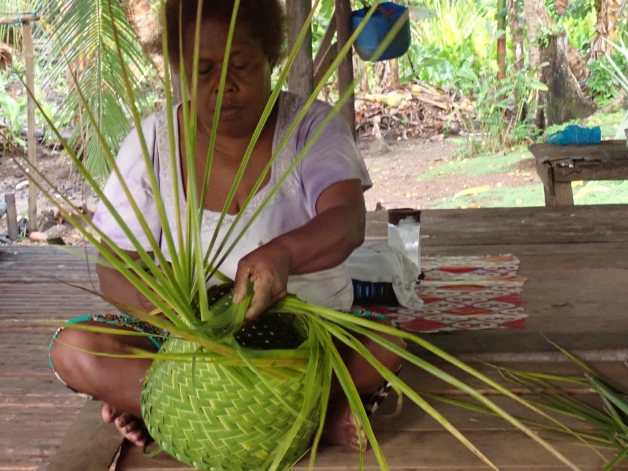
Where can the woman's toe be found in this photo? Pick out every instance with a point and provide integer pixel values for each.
(109, 414)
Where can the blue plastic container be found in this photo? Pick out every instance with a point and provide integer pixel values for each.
(383, 20)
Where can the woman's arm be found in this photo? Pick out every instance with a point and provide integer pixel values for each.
(328, 239)
(115, 286)
(325, 242)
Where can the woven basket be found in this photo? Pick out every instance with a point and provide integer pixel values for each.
(215, 417)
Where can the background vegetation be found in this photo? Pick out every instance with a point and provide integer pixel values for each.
(458, 46)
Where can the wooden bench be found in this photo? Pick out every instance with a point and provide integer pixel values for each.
(558, 166)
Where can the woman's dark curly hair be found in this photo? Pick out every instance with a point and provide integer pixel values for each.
(266, 20)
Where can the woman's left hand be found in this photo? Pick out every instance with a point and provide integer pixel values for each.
(267, 268)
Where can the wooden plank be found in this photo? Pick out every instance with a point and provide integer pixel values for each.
(301, 74)
(559, 194)
(587, 171)
(90, 443)
(411, 422)
(413, 451)
(18, 19)
(345, 71)
(605, 151)
(514, 226)
(40, 303)
(33, 189)
(47, 264)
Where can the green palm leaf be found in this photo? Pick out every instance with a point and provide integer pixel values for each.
(83, 40)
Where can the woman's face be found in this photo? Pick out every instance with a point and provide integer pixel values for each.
(248, 78)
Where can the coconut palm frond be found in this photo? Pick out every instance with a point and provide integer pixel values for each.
(84, 49)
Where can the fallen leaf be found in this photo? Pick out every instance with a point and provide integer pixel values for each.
(472, 191)
(589, 189)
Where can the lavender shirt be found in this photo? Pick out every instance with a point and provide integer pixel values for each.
(333, 158)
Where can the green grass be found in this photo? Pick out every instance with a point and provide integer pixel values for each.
(477, 166)
(530, 195)
(596, 192)
(599, 192)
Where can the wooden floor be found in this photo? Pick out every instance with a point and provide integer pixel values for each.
(576, 260)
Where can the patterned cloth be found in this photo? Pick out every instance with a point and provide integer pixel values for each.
(465, 293)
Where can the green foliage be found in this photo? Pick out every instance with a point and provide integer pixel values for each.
(12, 112)
(504, 110)
(618, 70)
(603, 85)
(458, 42)
(580, 31)
(84, 38)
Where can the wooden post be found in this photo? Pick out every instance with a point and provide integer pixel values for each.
(301, 75)
(345, 71)
(11, 216)
(326, 44)
(32, 141)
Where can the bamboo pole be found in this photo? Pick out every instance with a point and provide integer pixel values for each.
(11, 216)
(32, 142)
(18, 19)
(345, 71)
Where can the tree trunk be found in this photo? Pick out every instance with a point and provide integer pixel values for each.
(564, 100)
(605, 26)
(147, 28)
(516, 32)
(502, 14)
(534, 13)
(536, 16)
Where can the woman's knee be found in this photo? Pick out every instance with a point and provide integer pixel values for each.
(69, 356)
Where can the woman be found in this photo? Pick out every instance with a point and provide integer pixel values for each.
(297, 245)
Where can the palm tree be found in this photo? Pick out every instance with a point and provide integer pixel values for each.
(82, 45)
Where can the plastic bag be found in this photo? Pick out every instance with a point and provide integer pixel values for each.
(576, 135)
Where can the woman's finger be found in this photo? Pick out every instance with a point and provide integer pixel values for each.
(241, 284)
(262, 296)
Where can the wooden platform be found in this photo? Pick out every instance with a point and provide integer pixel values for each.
(558, 166)
(576, 260)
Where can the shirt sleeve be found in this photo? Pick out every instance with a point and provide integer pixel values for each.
(333, 158)
(132, 166)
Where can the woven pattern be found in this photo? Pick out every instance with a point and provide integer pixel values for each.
(222, 417)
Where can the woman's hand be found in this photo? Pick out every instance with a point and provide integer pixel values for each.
(267, 268)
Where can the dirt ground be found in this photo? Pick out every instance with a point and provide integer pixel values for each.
(404, 174)
(409, 175)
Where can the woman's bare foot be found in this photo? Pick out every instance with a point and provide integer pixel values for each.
(343, 428)
(130, 427)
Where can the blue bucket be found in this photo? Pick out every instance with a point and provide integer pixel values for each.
(383, 20)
